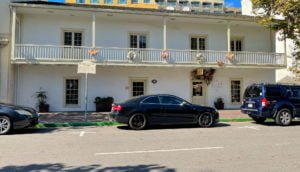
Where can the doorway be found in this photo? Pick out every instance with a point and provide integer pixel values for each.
(199, 92)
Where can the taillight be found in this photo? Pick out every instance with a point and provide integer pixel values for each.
(264, 102)
(116, 107)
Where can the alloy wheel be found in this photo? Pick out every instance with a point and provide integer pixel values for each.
(205, 120)
(137, 121)
(4, 125)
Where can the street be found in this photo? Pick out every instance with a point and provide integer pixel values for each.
(240, 146)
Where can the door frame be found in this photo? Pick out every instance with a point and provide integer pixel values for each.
(204, 90)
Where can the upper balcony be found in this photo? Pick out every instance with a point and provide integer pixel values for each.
(42, 54)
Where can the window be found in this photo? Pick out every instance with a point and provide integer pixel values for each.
(197, 89)
(171, 3)
(72, 38)
(183, 3)
(236, 45)
(138, 87)
(160, 2)
(218, 5)
(206, 5)
(195, 4)
(95, 1)
(151, 100)
(253, 91)
(235, 91)
(273, 91)
(198, 43)
(80, 1)
(108, 1)
(72, 91)
(138, 41)
(122, 1)
(134, 1)
(296, 92)
(147, 1)
(170, 100)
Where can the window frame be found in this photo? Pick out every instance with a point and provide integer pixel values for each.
(138, 34)
(235, 39)
(241, 89)
(137, 79)
(65, 92)
(73, 31)
(198, 36)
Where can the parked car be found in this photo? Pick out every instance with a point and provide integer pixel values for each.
(278, 101)
(16, 117)
(161, 109)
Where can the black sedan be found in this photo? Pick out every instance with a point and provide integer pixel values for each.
(162, 109)
(16, 117)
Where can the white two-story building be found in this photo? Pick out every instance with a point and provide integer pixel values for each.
(197, 56)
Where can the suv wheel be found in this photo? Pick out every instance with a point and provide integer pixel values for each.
(284, 117)
(259, 120)
(5, 125)
(137, 121)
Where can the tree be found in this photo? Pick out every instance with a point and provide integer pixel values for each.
(268, 10)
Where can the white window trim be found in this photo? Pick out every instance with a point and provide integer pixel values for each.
(235, 38)
(137, 79)
(241, 90)
(79, 93)
(138, 34)
(72, 30)
(198, 36)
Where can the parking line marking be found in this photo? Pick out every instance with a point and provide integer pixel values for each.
(82, 133)
(250, 127)
(156, 151)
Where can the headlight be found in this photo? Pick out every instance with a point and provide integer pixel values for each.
(23, 112)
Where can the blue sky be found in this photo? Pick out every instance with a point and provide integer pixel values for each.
(233, 3)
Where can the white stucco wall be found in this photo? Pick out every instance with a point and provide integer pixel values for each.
(47, 30)
(114, 81)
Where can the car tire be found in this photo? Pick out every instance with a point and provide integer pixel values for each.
(137, 121)
(5, 125)
(259, 120)
(284, 117)
(206, 120)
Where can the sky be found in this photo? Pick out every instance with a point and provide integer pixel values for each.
(233, 3)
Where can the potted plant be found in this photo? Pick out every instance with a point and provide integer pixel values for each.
(42, 101)
(219, 104)
(103, 104)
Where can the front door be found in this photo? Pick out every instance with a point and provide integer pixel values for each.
(199, 92)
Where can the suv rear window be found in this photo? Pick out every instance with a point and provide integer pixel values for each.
(253, 91)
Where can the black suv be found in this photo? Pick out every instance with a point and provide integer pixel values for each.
(278, 101)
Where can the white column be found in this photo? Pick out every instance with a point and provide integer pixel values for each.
(228, 37)
(285, 51)
(13, 32)
(165, 33)
(94, 31)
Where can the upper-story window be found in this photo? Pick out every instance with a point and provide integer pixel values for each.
(183, 3)
(218, 5)
(122, 1)
(195, 4)
(134, 1)
(236, 45)
(73, 38)
(80, 1)
(160, 2)
(198, 43)
(95, 1)
(138, 41)
(206, 5)
(108, 1)
(171, 3)
(147, 1)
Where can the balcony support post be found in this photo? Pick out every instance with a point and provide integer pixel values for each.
(228, 36)
(13, 33)
(165, 32)
(94, 31)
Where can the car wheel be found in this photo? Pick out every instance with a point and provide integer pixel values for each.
(5, 125)
(137, 121)
(259, 120)
(205, 119)
(284, 117)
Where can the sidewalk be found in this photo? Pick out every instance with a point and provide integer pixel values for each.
(60, 117)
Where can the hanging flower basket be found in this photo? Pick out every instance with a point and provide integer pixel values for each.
(230, 56)
(220, 63)
(93, 52)
(131, 56)
(199, 57)
(164, 55)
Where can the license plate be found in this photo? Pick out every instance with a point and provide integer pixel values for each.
(250, 105)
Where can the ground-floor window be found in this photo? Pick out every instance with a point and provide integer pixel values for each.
(71, 91)
(236, 90)
(137, 87)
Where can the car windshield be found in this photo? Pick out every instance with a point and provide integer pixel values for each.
(253, 91)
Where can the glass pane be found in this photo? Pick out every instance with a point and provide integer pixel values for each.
(235, 91)
(72, 92)
(133, 41)
(143, 43)
(95, 1)
(68, 38)
(108, 1)
(201, 43)
(122, 1)
(134, 1)
(195, 4)
(170, 100)
(137, 88)
(194, 44)
(147, 1)
(77, 39)
(206, 5)
(197, 89)
(153, 100)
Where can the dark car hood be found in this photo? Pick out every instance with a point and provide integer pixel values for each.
(17, 107)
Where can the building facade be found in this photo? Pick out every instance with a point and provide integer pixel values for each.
(197, 56)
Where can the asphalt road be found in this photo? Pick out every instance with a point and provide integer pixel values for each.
(243, 146)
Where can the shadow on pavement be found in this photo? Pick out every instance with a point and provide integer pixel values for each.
(161, 127)
(95, 168)
(33, 131)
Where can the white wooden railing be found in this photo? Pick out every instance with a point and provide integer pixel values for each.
(62, 54)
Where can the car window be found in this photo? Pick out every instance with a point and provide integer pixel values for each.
(151, 100)
(170, 100)
(273, 91)
(295, 92)
(253, 91)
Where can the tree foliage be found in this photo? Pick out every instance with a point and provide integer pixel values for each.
(268, 12)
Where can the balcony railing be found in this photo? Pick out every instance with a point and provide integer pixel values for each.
(66, 54)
